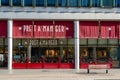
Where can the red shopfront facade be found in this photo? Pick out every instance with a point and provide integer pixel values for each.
(43, 44)
(99, 43)
(3, 43)
(50, 44)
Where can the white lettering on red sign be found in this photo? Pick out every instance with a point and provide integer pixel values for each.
(43, 28)
(27, 28)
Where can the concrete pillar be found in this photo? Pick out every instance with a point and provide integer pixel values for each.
(76, 41)
(10, 43)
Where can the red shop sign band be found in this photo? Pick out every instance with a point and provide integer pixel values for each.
(42, 30)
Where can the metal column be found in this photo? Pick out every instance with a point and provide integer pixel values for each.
(76, 40)
(10, 44)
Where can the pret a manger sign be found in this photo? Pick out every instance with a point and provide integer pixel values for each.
(26, 29)
(44, 28)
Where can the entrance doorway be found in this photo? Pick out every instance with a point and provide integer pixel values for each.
(35, 55)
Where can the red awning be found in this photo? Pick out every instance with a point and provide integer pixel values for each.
(89, 29)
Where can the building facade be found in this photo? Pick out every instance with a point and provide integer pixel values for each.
(59, 33)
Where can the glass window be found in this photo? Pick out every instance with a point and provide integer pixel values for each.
(92, 41)
(39, 2)
(102, 41)
(62, 42)
(85, 3)
(73, 3)
(16, 2)
(5, 2)
(117, 3)
(27, 2)
(51, 2)
(113, 53)
(107, 3)
(70, 41)
(95, 3)
(86, 54)
(83, 41)
(113, 41)
(62, 3)
(51, 54)
(67, 55)
(17, 42)
(1, 41)
(103, 55)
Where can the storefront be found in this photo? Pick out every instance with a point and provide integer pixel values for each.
(41, 44)
(3, 43)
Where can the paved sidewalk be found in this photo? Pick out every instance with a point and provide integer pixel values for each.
(58, 74)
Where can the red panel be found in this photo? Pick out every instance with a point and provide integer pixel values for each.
(51, 65)
(109, 29)
(83, 65)
(19, 65)
(89, 29)
(67, 65)
(3, 28)
(22, 29)
(64, 29)
(35, 65)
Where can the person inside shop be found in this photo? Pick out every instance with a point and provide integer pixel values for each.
(23, 57)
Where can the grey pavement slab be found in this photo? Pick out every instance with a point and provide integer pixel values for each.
(58, 74)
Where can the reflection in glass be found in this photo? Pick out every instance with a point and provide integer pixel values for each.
(113, 53)
(95, 3)
(73, 3)
(5, 2)
(85, 3)
(117, 3)
(51, 2)
(27, 2)
(67, 55)
(16, 2)
(107, 3)
(39, 2)
(62, 3)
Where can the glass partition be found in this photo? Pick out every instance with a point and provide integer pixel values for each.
(51, 3)
(5, 2)
(85, 3)
(117, 3)
(28, 2)
(107, 3)
(16, 2)
(62, 3)
(73, 3)
(103, 55)
(96, 3)
(86, 55)
(40, 3)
